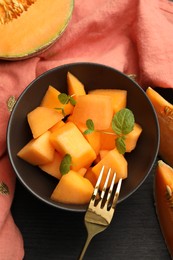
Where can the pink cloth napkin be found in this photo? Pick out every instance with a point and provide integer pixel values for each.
(134, 37)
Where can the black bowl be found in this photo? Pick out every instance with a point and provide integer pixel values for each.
(94, 76)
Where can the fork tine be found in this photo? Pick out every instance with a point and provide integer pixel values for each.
(116, 193)
(111, 187)
(96, 189)
(105, 184)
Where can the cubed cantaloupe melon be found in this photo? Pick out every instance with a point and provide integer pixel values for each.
(114, 160)
(118, 97)
(132, 138)
(41, 119)
(38, 151)
(73, 189)
(69, 140)
(94, 138)
(98, 108)
(75, 86)
(53, 167)
(57, 126)
(51, 100)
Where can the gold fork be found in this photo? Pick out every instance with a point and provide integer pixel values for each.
(100, 211)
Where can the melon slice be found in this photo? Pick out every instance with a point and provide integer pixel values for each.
(75, 86)
(38, 151)
(98, 108)
(52, 167)
(132, 138)
(41, 119)
(69, 140)
(73, 189)
(51, 100)
(29, 27)
(118, 97)
(164, 111)
(114, 160)
(163, 191)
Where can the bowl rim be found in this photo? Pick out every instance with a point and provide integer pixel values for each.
(62, 206)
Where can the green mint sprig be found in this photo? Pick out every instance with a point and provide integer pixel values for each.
(65, 99)
(122, 124)
(65, 164)
(90, 127)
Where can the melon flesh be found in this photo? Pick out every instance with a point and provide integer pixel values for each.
(73, 189)
(34, 29)
(164, 111)
(38, 151)
(69, 140)
(41, 119)
(114, 160)
(98, 108)
(163, 190)
(118, 97)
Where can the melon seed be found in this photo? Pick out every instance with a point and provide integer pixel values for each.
(168, 112)
(12, 9)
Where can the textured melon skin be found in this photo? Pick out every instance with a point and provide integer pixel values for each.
(18, 43)
(164, 202)
(164, 111)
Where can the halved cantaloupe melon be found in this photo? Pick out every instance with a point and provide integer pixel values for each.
(28, 27)
(164, 111)
(163, 191)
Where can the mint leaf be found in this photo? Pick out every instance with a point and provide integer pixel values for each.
(120, 144)
(62, 110)
(90, 127)
(65, 164)
(123, 122)
(63, 98)
(72, 101)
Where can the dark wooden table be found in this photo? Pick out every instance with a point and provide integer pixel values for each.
(54, 234)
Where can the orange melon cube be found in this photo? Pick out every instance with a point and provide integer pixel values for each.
(98, 108)
(69, 140)
(75, 87)
(103, 153)
(118, 97)
(82, 171)
(107, 139)
(94, 139)
(73, 189)
(51, 100)
(52, 167)
(41, 119)
(90, 176)
(114, 160)
(57, 126)
(132, 138)
(38, 151)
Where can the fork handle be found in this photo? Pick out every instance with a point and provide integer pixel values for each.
(85, 246)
